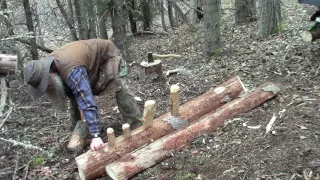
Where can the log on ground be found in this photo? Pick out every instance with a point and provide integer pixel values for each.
(132, 163)
(91, 165)
(8, 64)
(311, 35)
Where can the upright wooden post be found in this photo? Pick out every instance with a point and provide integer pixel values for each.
(174, 100)
(148, 114)
(78, 138)
(126, 130)
(111, 137)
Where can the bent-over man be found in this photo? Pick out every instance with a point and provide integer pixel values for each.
(79, 70)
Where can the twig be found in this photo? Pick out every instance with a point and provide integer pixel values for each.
(16, 143)
(27, 169)
(4, 95)
(8, 114)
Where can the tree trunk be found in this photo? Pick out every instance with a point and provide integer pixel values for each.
(212, 36)
(92, 33)
(270, 21)
(92, 164)
(132, 19)
(163, 22)
(102, 20)
(27, 10)
(71, 14)
(134, 162)
(170, 14)
(147, 17)
(38, 27)
(181, 16)
(80, 22)
(68, 21)
(245, 10)
(118, 27)
(193, 12)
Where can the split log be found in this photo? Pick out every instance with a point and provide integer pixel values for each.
(8, 64)
(79, 136)
(92, 164)
(174, 100)
(148, 113)
(139, 160)
(111, 137)
(312, 34)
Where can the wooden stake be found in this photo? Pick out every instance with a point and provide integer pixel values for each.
(174, 100)
(148, 114)
(126, 130)
(111, 137)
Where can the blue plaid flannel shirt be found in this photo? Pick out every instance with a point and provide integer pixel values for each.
(78, 82)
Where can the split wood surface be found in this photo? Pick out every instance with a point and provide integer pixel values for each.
(91, 165)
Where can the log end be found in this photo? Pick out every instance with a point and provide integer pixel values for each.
(307, 36)
(174, 88)
(111, 173)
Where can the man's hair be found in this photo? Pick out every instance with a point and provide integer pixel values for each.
(56, 93)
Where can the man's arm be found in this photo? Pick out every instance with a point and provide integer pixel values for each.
(79, 83)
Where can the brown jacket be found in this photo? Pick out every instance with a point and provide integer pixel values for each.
(100, 57)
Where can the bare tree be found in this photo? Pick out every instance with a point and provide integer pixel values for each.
(245, 10)
(102, 18)
(193, 11)
(118, 27)
(81, 23)
(270, 21)
(164, 27)
(212, 18)
(147, 17)
(38, 26)
(90, 6)
(27, 10)
(69, 22)
(132, 18)
(170, 14)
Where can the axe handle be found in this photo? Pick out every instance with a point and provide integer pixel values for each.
(166, 56)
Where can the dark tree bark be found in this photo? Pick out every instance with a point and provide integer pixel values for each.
(118, 27)
(212, 36)
(147, 17)
(71, 13)
(67, 19)
(38, 26)
(27, 10)
(245, 10)
(102, 20)
(132, 19)
(270, 21)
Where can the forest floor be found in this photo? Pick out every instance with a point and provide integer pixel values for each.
(234, 151)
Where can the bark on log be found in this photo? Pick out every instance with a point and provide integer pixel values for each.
(139, 160)
(311, 35)
(78, 138)
(92, 164)
(153, 70)
(8, 64)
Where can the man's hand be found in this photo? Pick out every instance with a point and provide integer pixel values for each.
(96, 144)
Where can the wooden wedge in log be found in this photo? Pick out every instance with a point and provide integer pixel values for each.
(132, 163)
(91, 165)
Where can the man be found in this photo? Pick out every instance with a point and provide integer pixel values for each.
(80, 70)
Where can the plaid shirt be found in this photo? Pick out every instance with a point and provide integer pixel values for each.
(79, 83)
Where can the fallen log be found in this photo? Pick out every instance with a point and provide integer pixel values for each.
(132, 163)
(311, 34)
(8, 64)
(92, 164)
